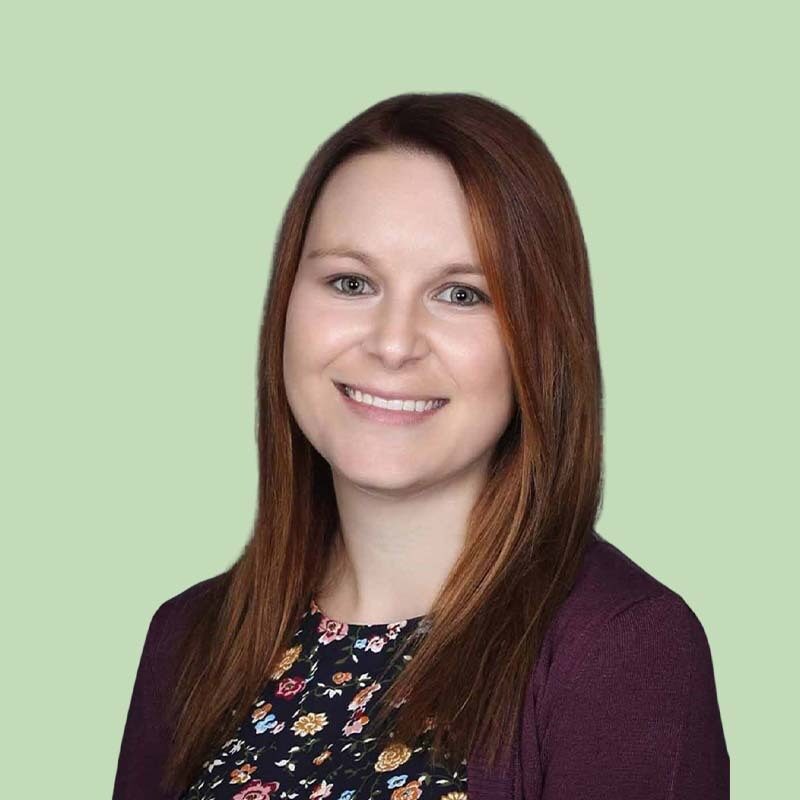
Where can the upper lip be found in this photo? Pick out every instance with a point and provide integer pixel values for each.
(404, 395)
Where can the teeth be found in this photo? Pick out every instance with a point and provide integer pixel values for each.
(393, 405)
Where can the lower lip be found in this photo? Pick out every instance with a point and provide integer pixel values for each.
(387, 415)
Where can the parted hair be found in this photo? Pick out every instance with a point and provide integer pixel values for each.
(531, 523)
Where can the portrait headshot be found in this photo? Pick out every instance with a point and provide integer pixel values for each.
(425, 607)
(399, 400)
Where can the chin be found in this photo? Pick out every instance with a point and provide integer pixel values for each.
(366, 479)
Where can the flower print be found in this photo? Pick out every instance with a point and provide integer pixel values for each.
(331, 629)
(289, 657)
(260, 711)
(355, 725)
(392, 756)
(322, 789)
(257, 790)
(310, 723)
(321, 758)
(394, 629)
(363, 696)
(330, 672)
(265, 724)
(375, 644)
(242, 774)
(411, 791)
(289, 687)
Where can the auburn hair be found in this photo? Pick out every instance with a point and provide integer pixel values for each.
(530, 525)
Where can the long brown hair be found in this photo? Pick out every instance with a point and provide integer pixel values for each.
(527, 531)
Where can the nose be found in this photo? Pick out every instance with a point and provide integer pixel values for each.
(396, 334)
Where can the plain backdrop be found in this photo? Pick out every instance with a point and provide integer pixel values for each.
(148, 152)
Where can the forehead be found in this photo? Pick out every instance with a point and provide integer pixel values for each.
(394, 204)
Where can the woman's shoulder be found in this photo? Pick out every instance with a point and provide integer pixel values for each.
(625, 671)
(608, 582)
(174, 615)
(615, 602)
(187, 598)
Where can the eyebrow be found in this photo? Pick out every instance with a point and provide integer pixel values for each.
(455, 267)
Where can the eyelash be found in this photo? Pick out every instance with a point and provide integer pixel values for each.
(482, 298)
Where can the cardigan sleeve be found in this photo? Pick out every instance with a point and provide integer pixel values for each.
(145, 736)
(639, 717)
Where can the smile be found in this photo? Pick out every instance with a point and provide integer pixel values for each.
(394, 410)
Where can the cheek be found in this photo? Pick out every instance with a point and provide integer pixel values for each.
(292, 351)
(300, 347)
(306, 330)
(297, 313)
(493, 384)
(482, 366)
(314, 325)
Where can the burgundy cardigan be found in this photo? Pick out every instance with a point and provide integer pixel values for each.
(621, 703)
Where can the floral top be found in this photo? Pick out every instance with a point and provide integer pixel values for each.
(308, 735)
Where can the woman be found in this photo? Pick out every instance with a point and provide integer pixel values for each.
(424, 608)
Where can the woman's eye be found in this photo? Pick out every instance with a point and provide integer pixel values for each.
(348, 278)
(460, 287)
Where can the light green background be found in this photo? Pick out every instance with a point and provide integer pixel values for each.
(148, 152)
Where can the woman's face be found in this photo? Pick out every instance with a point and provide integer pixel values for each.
(397, 325)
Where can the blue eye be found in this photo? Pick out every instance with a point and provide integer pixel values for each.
(341, 278)
(482, 298)
(480, 295)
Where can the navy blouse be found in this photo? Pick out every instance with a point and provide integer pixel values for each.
(308, 735)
